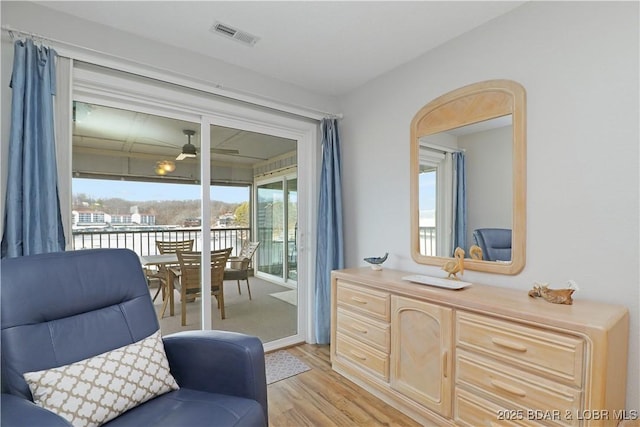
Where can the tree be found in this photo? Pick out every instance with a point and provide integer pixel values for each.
(242, 214)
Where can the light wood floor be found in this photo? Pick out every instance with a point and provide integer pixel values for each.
(321, 397)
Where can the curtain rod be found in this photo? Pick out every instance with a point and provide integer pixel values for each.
(93, 56)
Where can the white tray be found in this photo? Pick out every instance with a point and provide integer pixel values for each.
(436, 281)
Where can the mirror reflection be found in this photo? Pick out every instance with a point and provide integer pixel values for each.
(468, 178)
(465, 190)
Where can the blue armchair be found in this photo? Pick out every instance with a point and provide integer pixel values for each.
(494, 242)
(65, 307)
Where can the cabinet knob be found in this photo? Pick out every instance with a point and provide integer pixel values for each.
(358, 300)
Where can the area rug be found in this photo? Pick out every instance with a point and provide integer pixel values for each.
(290, 297)
(281, 364)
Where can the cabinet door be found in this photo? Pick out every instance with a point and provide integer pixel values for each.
(421, 352)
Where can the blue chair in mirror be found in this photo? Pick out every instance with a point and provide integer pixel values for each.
(494, 242)
(81, 345)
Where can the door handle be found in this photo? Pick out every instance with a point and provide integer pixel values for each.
(445, 363)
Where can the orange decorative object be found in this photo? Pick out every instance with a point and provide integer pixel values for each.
(556, 296)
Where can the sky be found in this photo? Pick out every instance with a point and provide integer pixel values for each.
(146, 191)
(427, 199)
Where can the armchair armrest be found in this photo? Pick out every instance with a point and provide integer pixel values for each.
(219, 362)
(18, 411)
(239, 262)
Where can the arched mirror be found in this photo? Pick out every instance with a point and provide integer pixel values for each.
(468, 171)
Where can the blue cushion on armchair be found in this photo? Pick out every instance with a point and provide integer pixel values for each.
(494, 242)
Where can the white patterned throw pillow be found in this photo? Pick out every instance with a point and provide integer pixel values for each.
(96, 390)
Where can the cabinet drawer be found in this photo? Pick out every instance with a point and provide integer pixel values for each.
(557, 355)
(364, 356)
(364, 300)
(515, 387)
(473, 411)
(363, 329)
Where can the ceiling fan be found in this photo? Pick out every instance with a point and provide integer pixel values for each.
(189, 150)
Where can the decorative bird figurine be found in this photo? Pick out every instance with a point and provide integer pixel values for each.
(475, 252)
(376, 262)
(455, 266)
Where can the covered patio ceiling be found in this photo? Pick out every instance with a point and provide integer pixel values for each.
(112, 132)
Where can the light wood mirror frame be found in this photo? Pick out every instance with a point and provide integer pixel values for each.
(472, 104)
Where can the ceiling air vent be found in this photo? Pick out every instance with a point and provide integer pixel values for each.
(234, 33)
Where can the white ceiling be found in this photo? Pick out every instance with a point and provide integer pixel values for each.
(327, 47)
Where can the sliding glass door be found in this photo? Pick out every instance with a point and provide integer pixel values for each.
(216, 155)
(277, 228)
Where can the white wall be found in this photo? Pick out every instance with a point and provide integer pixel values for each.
(578, 62)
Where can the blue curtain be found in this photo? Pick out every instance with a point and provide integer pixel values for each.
(459, 201)
(330, 245)
(33, 223)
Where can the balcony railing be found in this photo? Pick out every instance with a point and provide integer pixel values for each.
(427, 239)
(143, 241)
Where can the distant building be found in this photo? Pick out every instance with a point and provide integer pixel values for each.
(87, 218)
(226, 220)
(144, 219)
(90, 218)
(121, 219)
(192, 222)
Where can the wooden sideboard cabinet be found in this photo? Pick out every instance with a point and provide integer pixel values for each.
(479, 356)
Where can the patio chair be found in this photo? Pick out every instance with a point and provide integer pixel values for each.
(81, 307)
(239, 265)
(189, 278)
(154, 274)
(159, 273)
(171, 247)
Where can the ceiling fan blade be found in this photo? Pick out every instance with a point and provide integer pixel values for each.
(183, 156)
